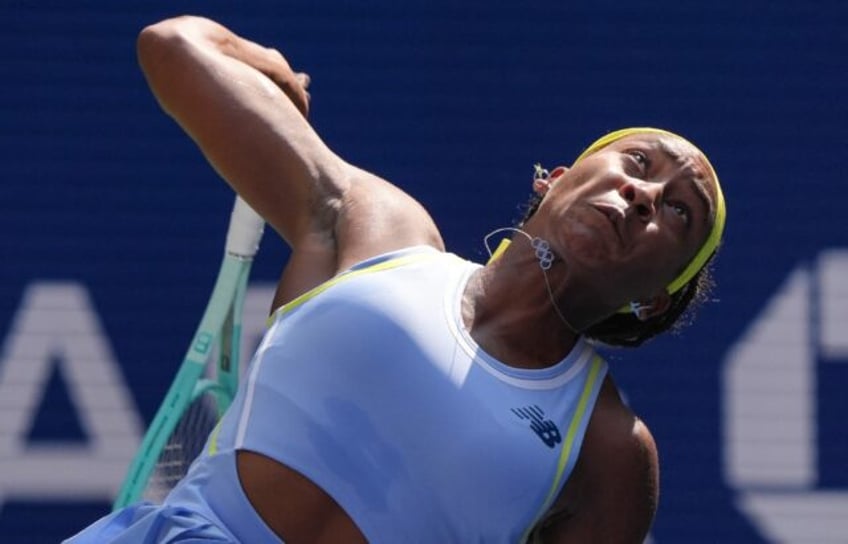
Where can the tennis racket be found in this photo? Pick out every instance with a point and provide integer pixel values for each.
(197, 398)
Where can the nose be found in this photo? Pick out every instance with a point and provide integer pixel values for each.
(642, 197)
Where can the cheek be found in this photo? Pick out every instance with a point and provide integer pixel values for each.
(661, 261)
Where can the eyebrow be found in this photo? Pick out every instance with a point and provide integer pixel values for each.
(695, 179)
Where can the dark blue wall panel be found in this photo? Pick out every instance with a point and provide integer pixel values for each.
(104, 201)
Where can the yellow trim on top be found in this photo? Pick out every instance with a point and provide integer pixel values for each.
(315, 291)
(570, 436)
(499, 250)
(213, 439)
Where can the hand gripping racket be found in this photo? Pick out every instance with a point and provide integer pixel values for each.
(196, 399)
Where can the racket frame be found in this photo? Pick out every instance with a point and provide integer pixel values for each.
(219, 326)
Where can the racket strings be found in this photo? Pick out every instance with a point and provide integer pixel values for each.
(183, 447)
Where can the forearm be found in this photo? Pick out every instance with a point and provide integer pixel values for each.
(239, 102)
(244, 107)
(189, 32)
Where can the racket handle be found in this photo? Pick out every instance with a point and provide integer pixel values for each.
(245, 230)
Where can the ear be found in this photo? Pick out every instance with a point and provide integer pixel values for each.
(541, 185)
(558, 172)
(657, 305)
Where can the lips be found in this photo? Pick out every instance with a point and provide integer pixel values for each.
(614, 215)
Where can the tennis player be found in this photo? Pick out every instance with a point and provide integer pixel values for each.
(402, 394)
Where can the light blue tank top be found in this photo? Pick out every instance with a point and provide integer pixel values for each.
(371, 387)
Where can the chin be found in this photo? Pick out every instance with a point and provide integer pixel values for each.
(586, 250)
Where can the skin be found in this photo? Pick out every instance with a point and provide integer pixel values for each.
(246, 109)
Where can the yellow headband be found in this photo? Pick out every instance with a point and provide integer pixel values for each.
(713, 239)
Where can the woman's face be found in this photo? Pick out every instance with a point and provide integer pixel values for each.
(631, 216)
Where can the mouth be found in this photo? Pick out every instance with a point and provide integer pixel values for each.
(614, 215)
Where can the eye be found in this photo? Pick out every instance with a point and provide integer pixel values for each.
(681, 210)
(640, 158)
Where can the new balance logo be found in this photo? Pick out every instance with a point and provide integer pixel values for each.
(544, 428)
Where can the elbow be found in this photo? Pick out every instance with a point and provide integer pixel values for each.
(154, 41)
(152, 44)
(158, 44)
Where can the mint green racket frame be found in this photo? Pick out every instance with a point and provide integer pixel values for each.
(220, 326)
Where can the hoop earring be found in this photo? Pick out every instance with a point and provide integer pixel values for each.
(541, 180)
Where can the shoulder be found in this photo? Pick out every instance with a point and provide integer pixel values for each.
(376, 217)
(613, 493)
(367, 217)
(617, 436)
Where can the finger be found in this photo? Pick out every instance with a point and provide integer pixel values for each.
(275, 52)
(304, 79)
(303, 101)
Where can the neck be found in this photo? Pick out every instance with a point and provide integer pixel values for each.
(509, 308)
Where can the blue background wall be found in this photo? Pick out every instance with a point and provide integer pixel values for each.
(453, 101)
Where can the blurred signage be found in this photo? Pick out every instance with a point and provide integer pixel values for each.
(770, 405)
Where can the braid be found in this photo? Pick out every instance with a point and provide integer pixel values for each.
(626, 330)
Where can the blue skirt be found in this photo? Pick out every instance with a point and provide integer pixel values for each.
(209, 505)
(147, 523)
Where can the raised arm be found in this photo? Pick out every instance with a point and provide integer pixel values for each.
(245, 108)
